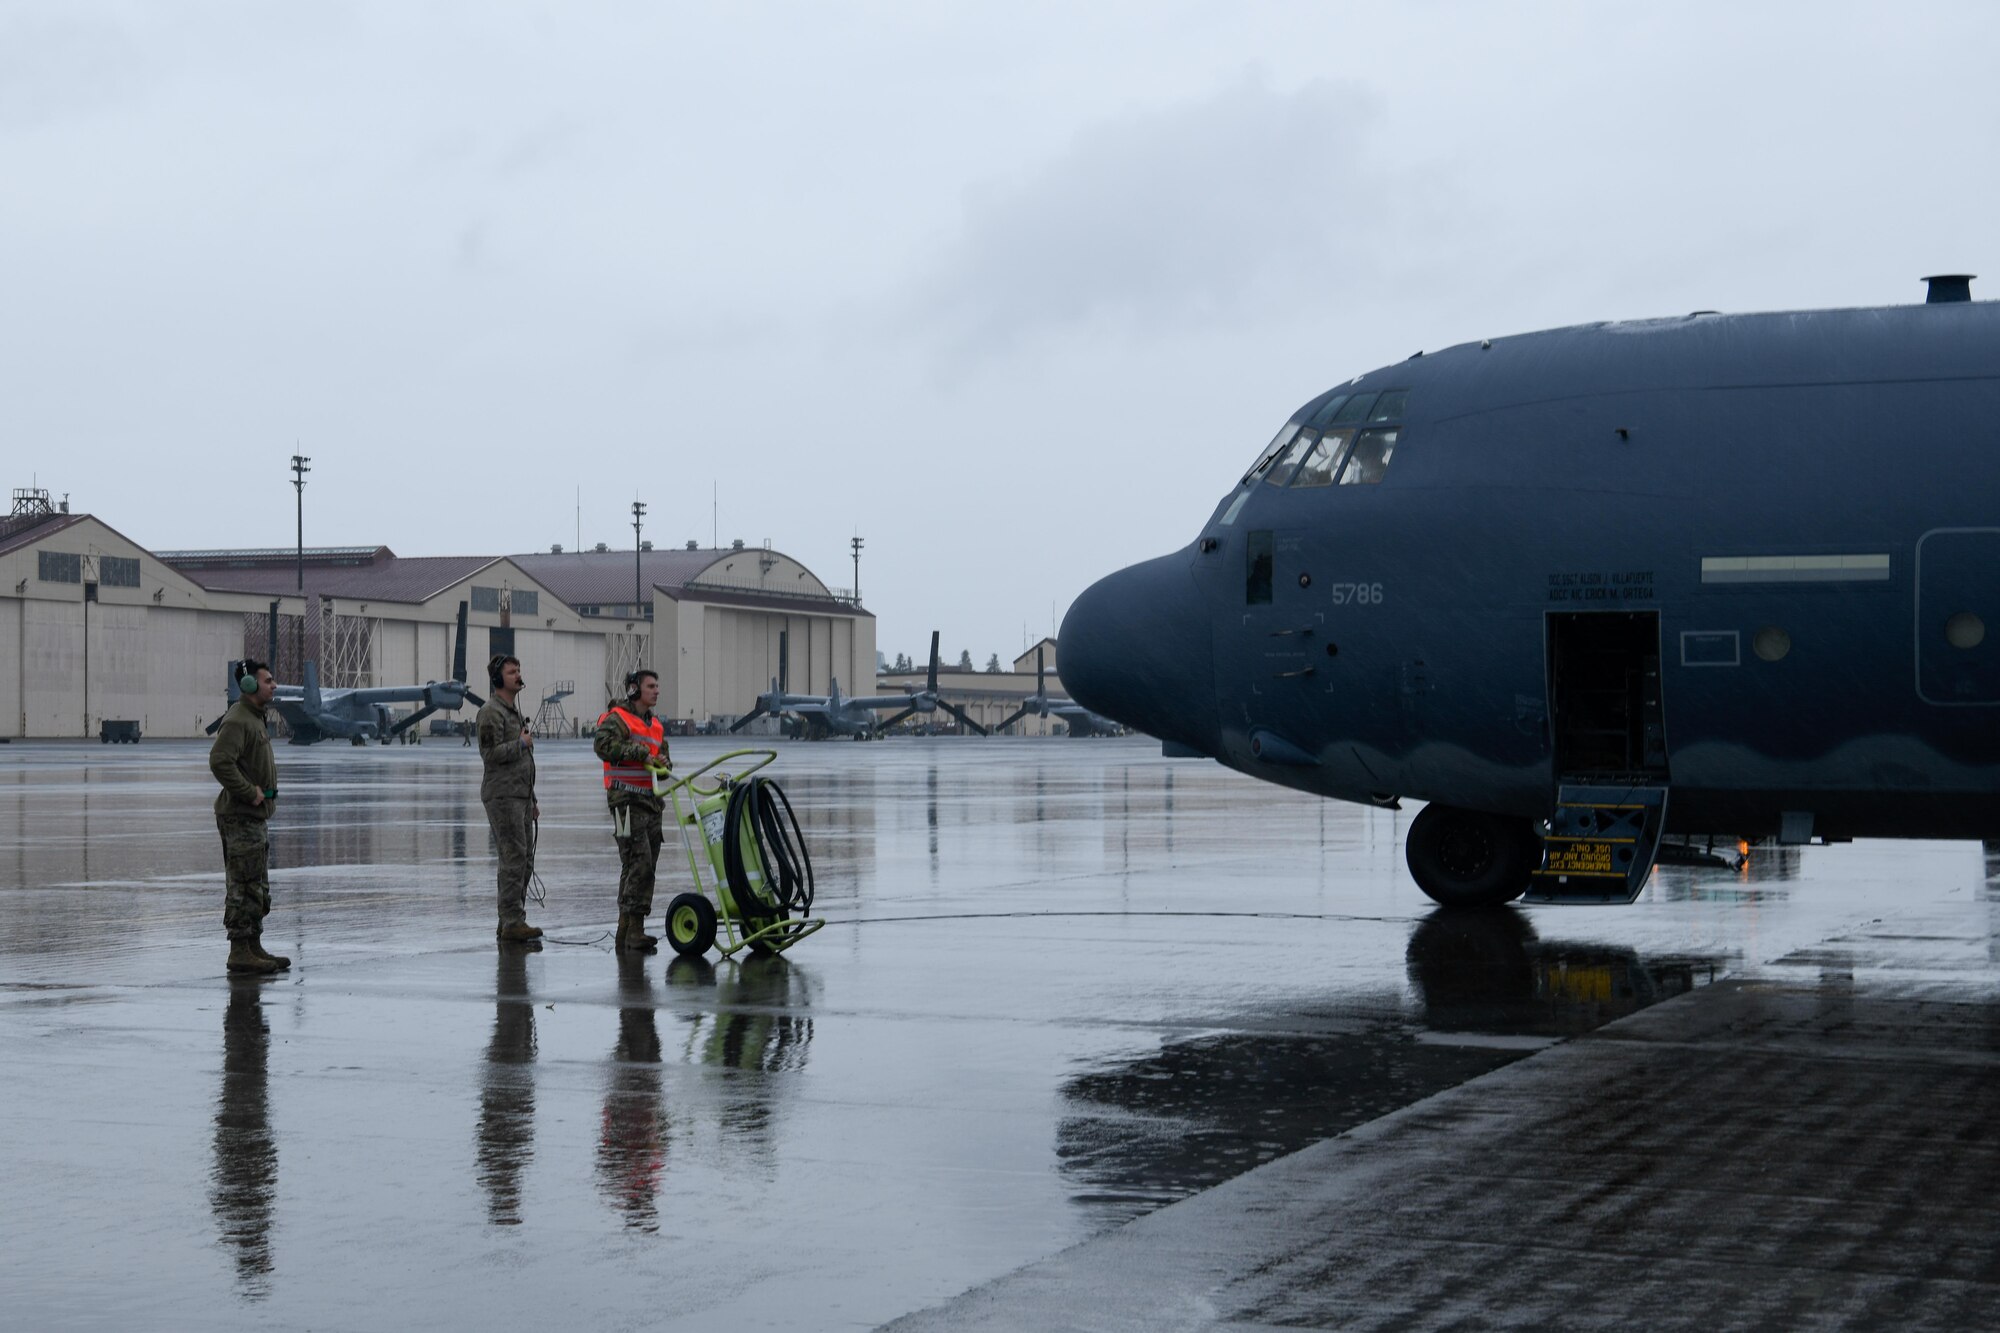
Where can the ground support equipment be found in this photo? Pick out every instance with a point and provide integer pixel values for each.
(752, 876)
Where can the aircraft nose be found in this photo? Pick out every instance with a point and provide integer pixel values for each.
(1136, 647)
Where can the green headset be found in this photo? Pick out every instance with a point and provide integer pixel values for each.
(246, 681)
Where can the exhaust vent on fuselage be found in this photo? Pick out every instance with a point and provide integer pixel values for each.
(1948, 287)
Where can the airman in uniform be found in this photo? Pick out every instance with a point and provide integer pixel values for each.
(242, 762)
(631, 742)
(507, 790)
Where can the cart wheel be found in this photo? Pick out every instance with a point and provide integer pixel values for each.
(690, 924)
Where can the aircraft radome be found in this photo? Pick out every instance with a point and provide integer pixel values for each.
(1712, 574)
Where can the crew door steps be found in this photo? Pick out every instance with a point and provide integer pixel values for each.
(1601, 843)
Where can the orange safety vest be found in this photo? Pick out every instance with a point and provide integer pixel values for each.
(652, 734)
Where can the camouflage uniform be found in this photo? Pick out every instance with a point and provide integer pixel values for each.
(508, 792)
(242, 762)
(634, 808)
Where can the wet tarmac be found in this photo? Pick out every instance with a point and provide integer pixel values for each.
(1093, 1039)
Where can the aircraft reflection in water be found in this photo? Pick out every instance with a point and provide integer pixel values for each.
(632, 1148)
(1732, 575)
(1487, 972)
(507, 1094)
(1145, 1132)
(244, 1181)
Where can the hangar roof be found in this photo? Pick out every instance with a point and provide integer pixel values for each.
(368, 574)
(577, 578)
(20, 531)
(590, 578)
(606, 576)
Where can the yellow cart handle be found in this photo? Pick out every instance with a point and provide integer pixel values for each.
(759, 759)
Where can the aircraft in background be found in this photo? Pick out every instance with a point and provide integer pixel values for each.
(364, 714)
(832, 714)
(1712, 574)
(1080, 720)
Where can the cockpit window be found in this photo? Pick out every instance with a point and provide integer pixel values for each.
(1281, 471)
(1369, 459)
(1271, 451)
(1321, 418)
(1321, 446)
(1354, 409)
(1323, 463)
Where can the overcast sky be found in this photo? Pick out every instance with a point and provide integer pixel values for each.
(1013, 290)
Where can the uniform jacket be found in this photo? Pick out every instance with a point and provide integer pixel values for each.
(242, 762)
(615, 744)
(510, 765)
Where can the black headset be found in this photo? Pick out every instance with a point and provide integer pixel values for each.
(496, 667)
(632, 679)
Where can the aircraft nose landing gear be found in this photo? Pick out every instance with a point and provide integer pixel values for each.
(1465, 858)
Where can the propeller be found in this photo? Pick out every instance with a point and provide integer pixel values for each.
(457, 667)
(1039, 701)
(927, 699)
(412, 720)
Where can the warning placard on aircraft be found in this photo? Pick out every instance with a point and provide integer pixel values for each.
(1583, 856)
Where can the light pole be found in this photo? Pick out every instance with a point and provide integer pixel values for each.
(299, 470)
(638, 516)
(856, 544)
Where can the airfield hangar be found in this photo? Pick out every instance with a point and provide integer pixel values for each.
(95, 628)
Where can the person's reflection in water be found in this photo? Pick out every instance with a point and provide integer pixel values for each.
(632, 1149)
(507, 1096)
(245, 1178)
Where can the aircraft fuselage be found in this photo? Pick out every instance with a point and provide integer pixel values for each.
(1753, 559)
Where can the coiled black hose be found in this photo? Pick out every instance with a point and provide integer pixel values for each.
(788, 873)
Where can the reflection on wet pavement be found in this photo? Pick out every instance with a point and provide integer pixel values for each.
(507, 1088)
(1064, 984)
(632, 1148)
(244, 1180)
(1488, 972)
(1143, 1132)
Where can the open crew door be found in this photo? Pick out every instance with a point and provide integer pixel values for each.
(1611, 757)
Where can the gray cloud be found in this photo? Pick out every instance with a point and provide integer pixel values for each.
(1197, 213)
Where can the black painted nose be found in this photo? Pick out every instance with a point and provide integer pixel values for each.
(1136, 647)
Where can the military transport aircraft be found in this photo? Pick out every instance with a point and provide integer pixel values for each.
(1080, 720)
(361, 715)
(832, 714)
(1731, 574)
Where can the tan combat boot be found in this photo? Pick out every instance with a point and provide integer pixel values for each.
(519, 933)
(257, 945)
(243, 957)
(632, 933)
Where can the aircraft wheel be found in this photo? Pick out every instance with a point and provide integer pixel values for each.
(1465, 858)
(690, 924)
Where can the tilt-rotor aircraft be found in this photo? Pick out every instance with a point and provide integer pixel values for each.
(1715, 574)
(833, 714)
(361, 715)
(1080, 720)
